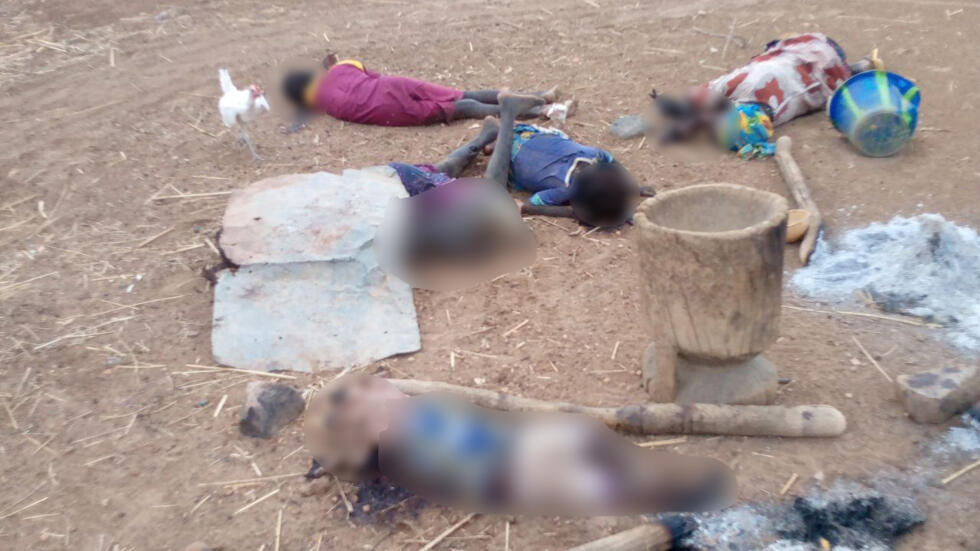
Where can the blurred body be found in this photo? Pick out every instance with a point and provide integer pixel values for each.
(794, 75)
(448, 450)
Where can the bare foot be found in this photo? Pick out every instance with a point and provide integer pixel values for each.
(552, 95)
(518, 104)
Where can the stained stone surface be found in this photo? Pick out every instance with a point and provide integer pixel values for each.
(308, 294)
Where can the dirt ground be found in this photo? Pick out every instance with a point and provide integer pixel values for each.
(107, 441)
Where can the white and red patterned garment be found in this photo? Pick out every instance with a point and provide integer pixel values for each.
(793, 76)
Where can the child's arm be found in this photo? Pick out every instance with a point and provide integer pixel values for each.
(549, 202)
(562, 211)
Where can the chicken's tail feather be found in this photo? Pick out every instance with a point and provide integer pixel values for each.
(225, 79)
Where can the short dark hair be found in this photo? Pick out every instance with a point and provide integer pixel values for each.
(294, 86)
(602, 194)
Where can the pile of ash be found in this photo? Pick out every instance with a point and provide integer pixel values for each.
(960, 441)
(846, 516)
(924, 266)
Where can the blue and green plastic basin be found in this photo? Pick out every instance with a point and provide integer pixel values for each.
(877, 111)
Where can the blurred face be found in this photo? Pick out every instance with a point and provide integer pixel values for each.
(345, 420)
(607, 199)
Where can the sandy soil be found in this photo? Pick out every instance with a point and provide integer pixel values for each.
(105, 105)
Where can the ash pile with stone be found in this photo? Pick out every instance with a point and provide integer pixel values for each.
(924, 266)
(846, 516)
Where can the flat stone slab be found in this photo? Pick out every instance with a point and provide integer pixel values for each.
(935, 395)
(311, 316)
(306, 217)
(309, 294)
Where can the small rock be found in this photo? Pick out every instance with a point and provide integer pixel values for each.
(628, 127)
(268, 408)
(855, 361)
(202, 403)
(113, 361)
(935, 395)
(848, 395)
(198, 546)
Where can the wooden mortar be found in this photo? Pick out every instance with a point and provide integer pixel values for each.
(711, 272)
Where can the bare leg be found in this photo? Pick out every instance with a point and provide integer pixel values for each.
(558, 211)
(490, 96)
(244, 138)
(472, 109)
(458, 160)
(511, 106)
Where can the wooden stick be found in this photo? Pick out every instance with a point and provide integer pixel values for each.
(871, 359)
(251, 480)
(793, 178)
(515, 328)
(221, 404)
(278, 529)
(343, 495)
(798, 421)
(897, 319)
(26, 281)
(961, 472)
(728, 38)
(656, 536)
(192, 195)
(659, 443)
(736, 38)
(24, 508)
(237, 370)
(153, 238)
(198, 504)
(789, 484)
(185, 249)
(448, 532)
(256, 502)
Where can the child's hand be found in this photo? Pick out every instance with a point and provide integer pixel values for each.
(520, 204)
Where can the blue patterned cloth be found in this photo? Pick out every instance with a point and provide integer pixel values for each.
(747, 128)
(542, 161)
(418, 178)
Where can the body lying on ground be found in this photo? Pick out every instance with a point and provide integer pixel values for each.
(447, 450)
(564, 177)
(349, 91)
(793, 76)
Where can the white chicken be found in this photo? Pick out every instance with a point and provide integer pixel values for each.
(240, 106)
